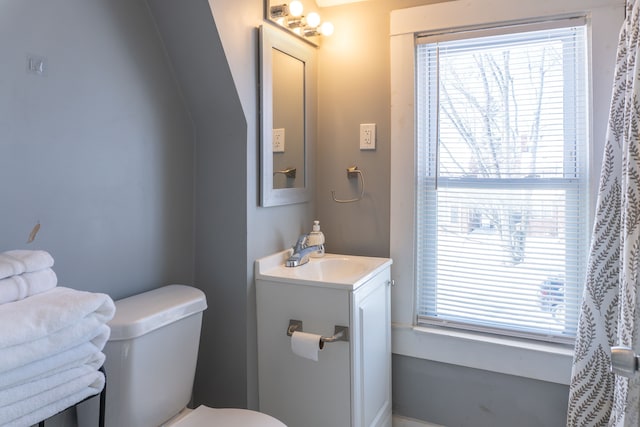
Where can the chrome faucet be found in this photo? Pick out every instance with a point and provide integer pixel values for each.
(301, 252)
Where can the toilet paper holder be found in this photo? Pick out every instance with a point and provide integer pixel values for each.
(340, 333)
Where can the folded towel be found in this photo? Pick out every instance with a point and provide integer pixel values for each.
(33, 409)
(52, 409)
(30, 389)
(20, 261)
(46, 313)
(87, 330)
(20, 286)
(83, 354)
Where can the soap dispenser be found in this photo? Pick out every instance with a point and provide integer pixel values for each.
(316, 238)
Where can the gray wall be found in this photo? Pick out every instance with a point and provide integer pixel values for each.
(213, 47)
(452, 396)
(99, 149)
(193, 45)
(213, 50)
(354, 88)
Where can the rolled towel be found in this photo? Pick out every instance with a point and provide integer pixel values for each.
(50, 396)
(20, 286)
(20, 261)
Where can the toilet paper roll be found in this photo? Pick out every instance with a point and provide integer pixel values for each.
(306, 345)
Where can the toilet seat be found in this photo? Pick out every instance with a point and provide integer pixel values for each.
(203, 416)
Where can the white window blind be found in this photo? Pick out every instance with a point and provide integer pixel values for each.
(501, 206)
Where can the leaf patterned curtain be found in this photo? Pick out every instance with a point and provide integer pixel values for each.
(610, 305)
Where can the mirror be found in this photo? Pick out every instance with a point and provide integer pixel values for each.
(287, 81)
(288, 120)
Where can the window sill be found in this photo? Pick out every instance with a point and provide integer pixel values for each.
(524, 358)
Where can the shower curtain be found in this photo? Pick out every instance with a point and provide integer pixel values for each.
(609, 310)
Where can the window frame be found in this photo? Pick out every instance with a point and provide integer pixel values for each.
(515, 356)
(429, 179)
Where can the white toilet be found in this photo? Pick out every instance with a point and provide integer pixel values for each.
(151, 364)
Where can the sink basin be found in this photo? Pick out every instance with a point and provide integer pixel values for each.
(332, 269)
(329, 270)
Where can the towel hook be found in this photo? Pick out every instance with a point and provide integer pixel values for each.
(352, 171)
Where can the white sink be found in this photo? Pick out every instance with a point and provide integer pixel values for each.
(330, 270)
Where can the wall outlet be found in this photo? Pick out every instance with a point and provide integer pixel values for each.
(368, 136)
(278, 140)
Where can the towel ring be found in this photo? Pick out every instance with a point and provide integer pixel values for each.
(352, 171)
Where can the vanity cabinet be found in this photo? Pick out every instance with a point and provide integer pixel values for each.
(350, 383)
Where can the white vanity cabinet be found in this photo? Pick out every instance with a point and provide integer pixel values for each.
(371, 352)
(350, 384)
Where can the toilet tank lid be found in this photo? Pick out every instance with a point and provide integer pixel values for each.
(148, 311)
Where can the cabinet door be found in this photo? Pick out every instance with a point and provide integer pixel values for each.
(298, 391)
(371, 320)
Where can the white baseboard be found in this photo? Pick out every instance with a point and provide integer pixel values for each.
(399, 421)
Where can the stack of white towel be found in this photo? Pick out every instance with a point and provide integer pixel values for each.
(24, 273)
(51, 340)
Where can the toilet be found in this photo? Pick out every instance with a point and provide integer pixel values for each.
(151, 362)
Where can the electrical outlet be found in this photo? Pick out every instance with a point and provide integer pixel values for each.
(278, 140)
(368, 136)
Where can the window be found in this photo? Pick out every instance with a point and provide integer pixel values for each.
(501, 164)
(413, 333)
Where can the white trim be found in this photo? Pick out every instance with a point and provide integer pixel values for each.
(469, 13)
(480, 351)
(402, 184)
(531, 360)
(399, 421)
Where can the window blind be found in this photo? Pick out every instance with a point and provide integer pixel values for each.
(502, 141)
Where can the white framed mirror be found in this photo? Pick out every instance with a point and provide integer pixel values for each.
(288, 117)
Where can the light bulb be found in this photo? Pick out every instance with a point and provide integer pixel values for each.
(295, 8)
(313, 20)
(326, 29)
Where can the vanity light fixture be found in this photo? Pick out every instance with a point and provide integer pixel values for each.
(291, 16)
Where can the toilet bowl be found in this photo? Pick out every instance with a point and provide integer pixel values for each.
(150, 365)
(205, 416)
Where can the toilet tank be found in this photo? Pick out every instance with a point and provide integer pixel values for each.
(151, 355)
